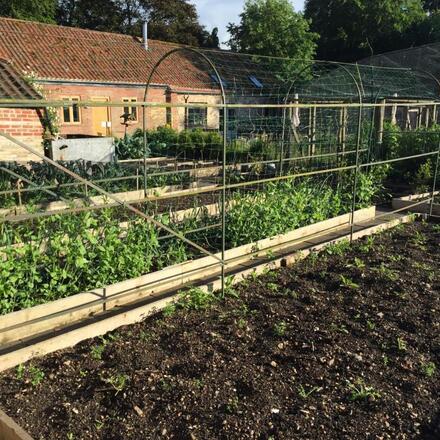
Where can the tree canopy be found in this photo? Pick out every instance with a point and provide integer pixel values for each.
(38, 10)
(169, 20)
(274, 28)
(352, 29)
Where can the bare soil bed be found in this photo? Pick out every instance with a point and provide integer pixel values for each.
(344, 345)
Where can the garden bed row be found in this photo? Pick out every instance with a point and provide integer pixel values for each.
(342, 345)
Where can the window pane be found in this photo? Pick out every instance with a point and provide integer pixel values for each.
(134, 113)
(197, 117)
(66, 114)
(75, 112)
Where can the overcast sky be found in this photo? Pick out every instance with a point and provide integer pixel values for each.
(218, 13)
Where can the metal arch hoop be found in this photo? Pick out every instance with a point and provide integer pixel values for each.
(225, 125)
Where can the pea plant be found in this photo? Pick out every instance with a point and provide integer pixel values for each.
(60, 255)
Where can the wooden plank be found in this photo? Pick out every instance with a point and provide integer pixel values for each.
(9, 430)
(72, 309)
(414, 203)
(136, 196)
(77, 335)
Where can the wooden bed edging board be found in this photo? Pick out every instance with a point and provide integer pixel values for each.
(9, 430)
(19, 325)
(409, 202)
(138, 314)
(128, 196)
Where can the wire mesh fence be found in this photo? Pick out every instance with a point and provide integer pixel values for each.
(253, 148)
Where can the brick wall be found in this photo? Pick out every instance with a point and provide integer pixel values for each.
(155, 116)
(25, 125)
(87, 127)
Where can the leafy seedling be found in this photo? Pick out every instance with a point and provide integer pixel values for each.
(360, 391)
(280, 328)
(429, 369)
(305, 394)
(348, 283)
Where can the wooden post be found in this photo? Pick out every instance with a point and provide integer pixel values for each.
(342, 132)
(380, 118)
(434, 114)
(312, 131)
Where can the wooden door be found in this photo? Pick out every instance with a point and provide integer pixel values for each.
(101, 124)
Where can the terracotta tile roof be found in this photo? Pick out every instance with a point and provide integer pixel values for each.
(66, 53)
(12, 85)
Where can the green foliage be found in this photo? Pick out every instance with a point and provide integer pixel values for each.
(32, 374)
(273, 28)
(305, 394)
(89, 250)
(348, 283)
(353, 29)
(429, 369)
(169, 20)
(195, 299)
(117, 381)
(280, 328)
(397, 143)
(33, 10)
(360, 391)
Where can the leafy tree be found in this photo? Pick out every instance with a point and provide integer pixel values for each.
(102, 15)
(169, 20)
(353, 29)
(211, 39)
(36, 10)
(272, 27)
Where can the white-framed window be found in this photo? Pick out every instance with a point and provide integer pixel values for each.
(130, 110)
(71, 114)
(196, 117)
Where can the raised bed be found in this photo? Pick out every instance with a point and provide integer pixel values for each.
(298, 353)
(49, 327)
(137, 196)
(420, 203)
(9, 430)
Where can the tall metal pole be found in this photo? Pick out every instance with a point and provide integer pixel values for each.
(356, 169)
(434, 183)
(225, 143)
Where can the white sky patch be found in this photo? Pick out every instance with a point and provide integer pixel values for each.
(218, 13)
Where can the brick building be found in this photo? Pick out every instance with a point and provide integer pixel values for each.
(25, 124)
(82, 65)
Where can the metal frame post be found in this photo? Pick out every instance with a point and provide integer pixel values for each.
(434, 183)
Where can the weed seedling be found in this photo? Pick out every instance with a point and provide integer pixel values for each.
(169, 310)
(232, 405)
(195, 299)
(165, 385)
(367, 245)
(386, 273)
(401, 344)
(20, 372)
(118, 382)
(307, 393)
(98, 350)
(348, 283)
(242, 323)
(429, 369)
(371, 325)
(280, 328)
(272, 287)
(419, 240)
(357, 263)
(36, 375)
(338, 249)
(360, 391)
